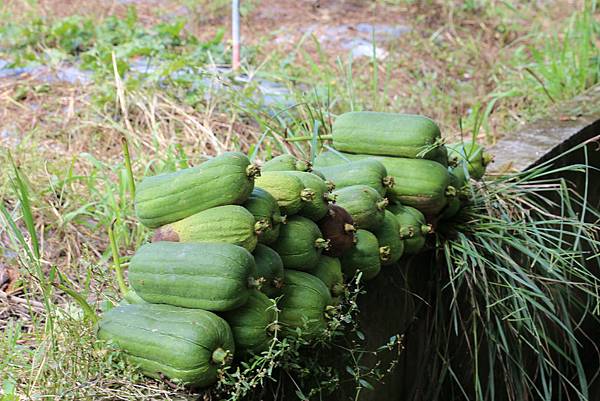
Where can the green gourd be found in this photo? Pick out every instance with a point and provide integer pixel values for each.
(368, 172)
(423, 184)
(474, 155)
(305, 305)
(391, 134)
(329, 270)
(288, 190)
(391, 246)
(300, 244)
(224, 180)
(316, 208)
(231, 224)
(210, 276)
(365, 205)
(269, 270)
(265, 210)
(253, 324)
(457, 180)
(286, 162)
(413, 228)
(332, 158)
(188, 346)
(364, 257)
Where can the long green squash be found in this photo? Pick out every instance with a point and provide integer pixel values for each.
(332, 158)
(364, 257)
(224, 180)
(305, 305)
(215, 277)
(364, 204)
(317, 207)
(230, 224)
(265, 210)
(413, 228)
(286, 162)
(253, 324)
(269, 270)
(329, 270)
(368, 172)
(188, 346)
(287, 189)
(423, 184)
(300, 244)
(391, 246)
(391, 134)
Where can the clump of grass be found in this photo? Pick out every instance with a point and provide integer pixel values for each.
(516, 292)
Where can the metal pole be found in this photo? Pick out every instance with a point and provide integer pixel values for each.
(235, 33)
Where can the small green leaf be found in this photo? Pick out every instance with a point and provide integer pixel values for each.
(365, 384)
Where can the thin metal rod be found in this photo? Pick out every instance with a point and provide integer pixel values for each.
(235, 33)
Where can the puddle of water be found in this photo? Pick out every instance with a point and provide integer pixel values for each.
(383, 32)
(67, 74)
(73, 75)
(17, 72)
(269, 94)
(364, 48)
(358, 38)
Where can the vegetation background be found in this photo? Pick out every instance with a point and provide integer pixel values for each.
(478, 67)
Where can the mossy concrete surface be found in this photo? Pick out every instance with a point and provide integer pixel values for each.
(564, 127)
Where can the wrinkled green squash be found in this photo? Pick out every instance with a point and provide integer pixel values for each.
(423, 184)
(253, 323)
(269, 270)
(188, 346)
(329, 270)
(305, 305)
(288, 190)
(390, 134)
(317, 207)
(300, 244)
(473, 155)
(391, 246)
(286, 162)
(231, 224)
(265, 210)
(224, 180)
(413, 228)
(210, 276)
(364, 257)
(364, 204)
(368, 172)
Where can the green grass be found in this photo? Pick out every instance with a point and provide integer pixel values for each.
(520, 257)
(72, 182)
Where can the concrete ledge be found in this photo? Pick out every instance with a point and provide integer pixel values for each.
(564, 127)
